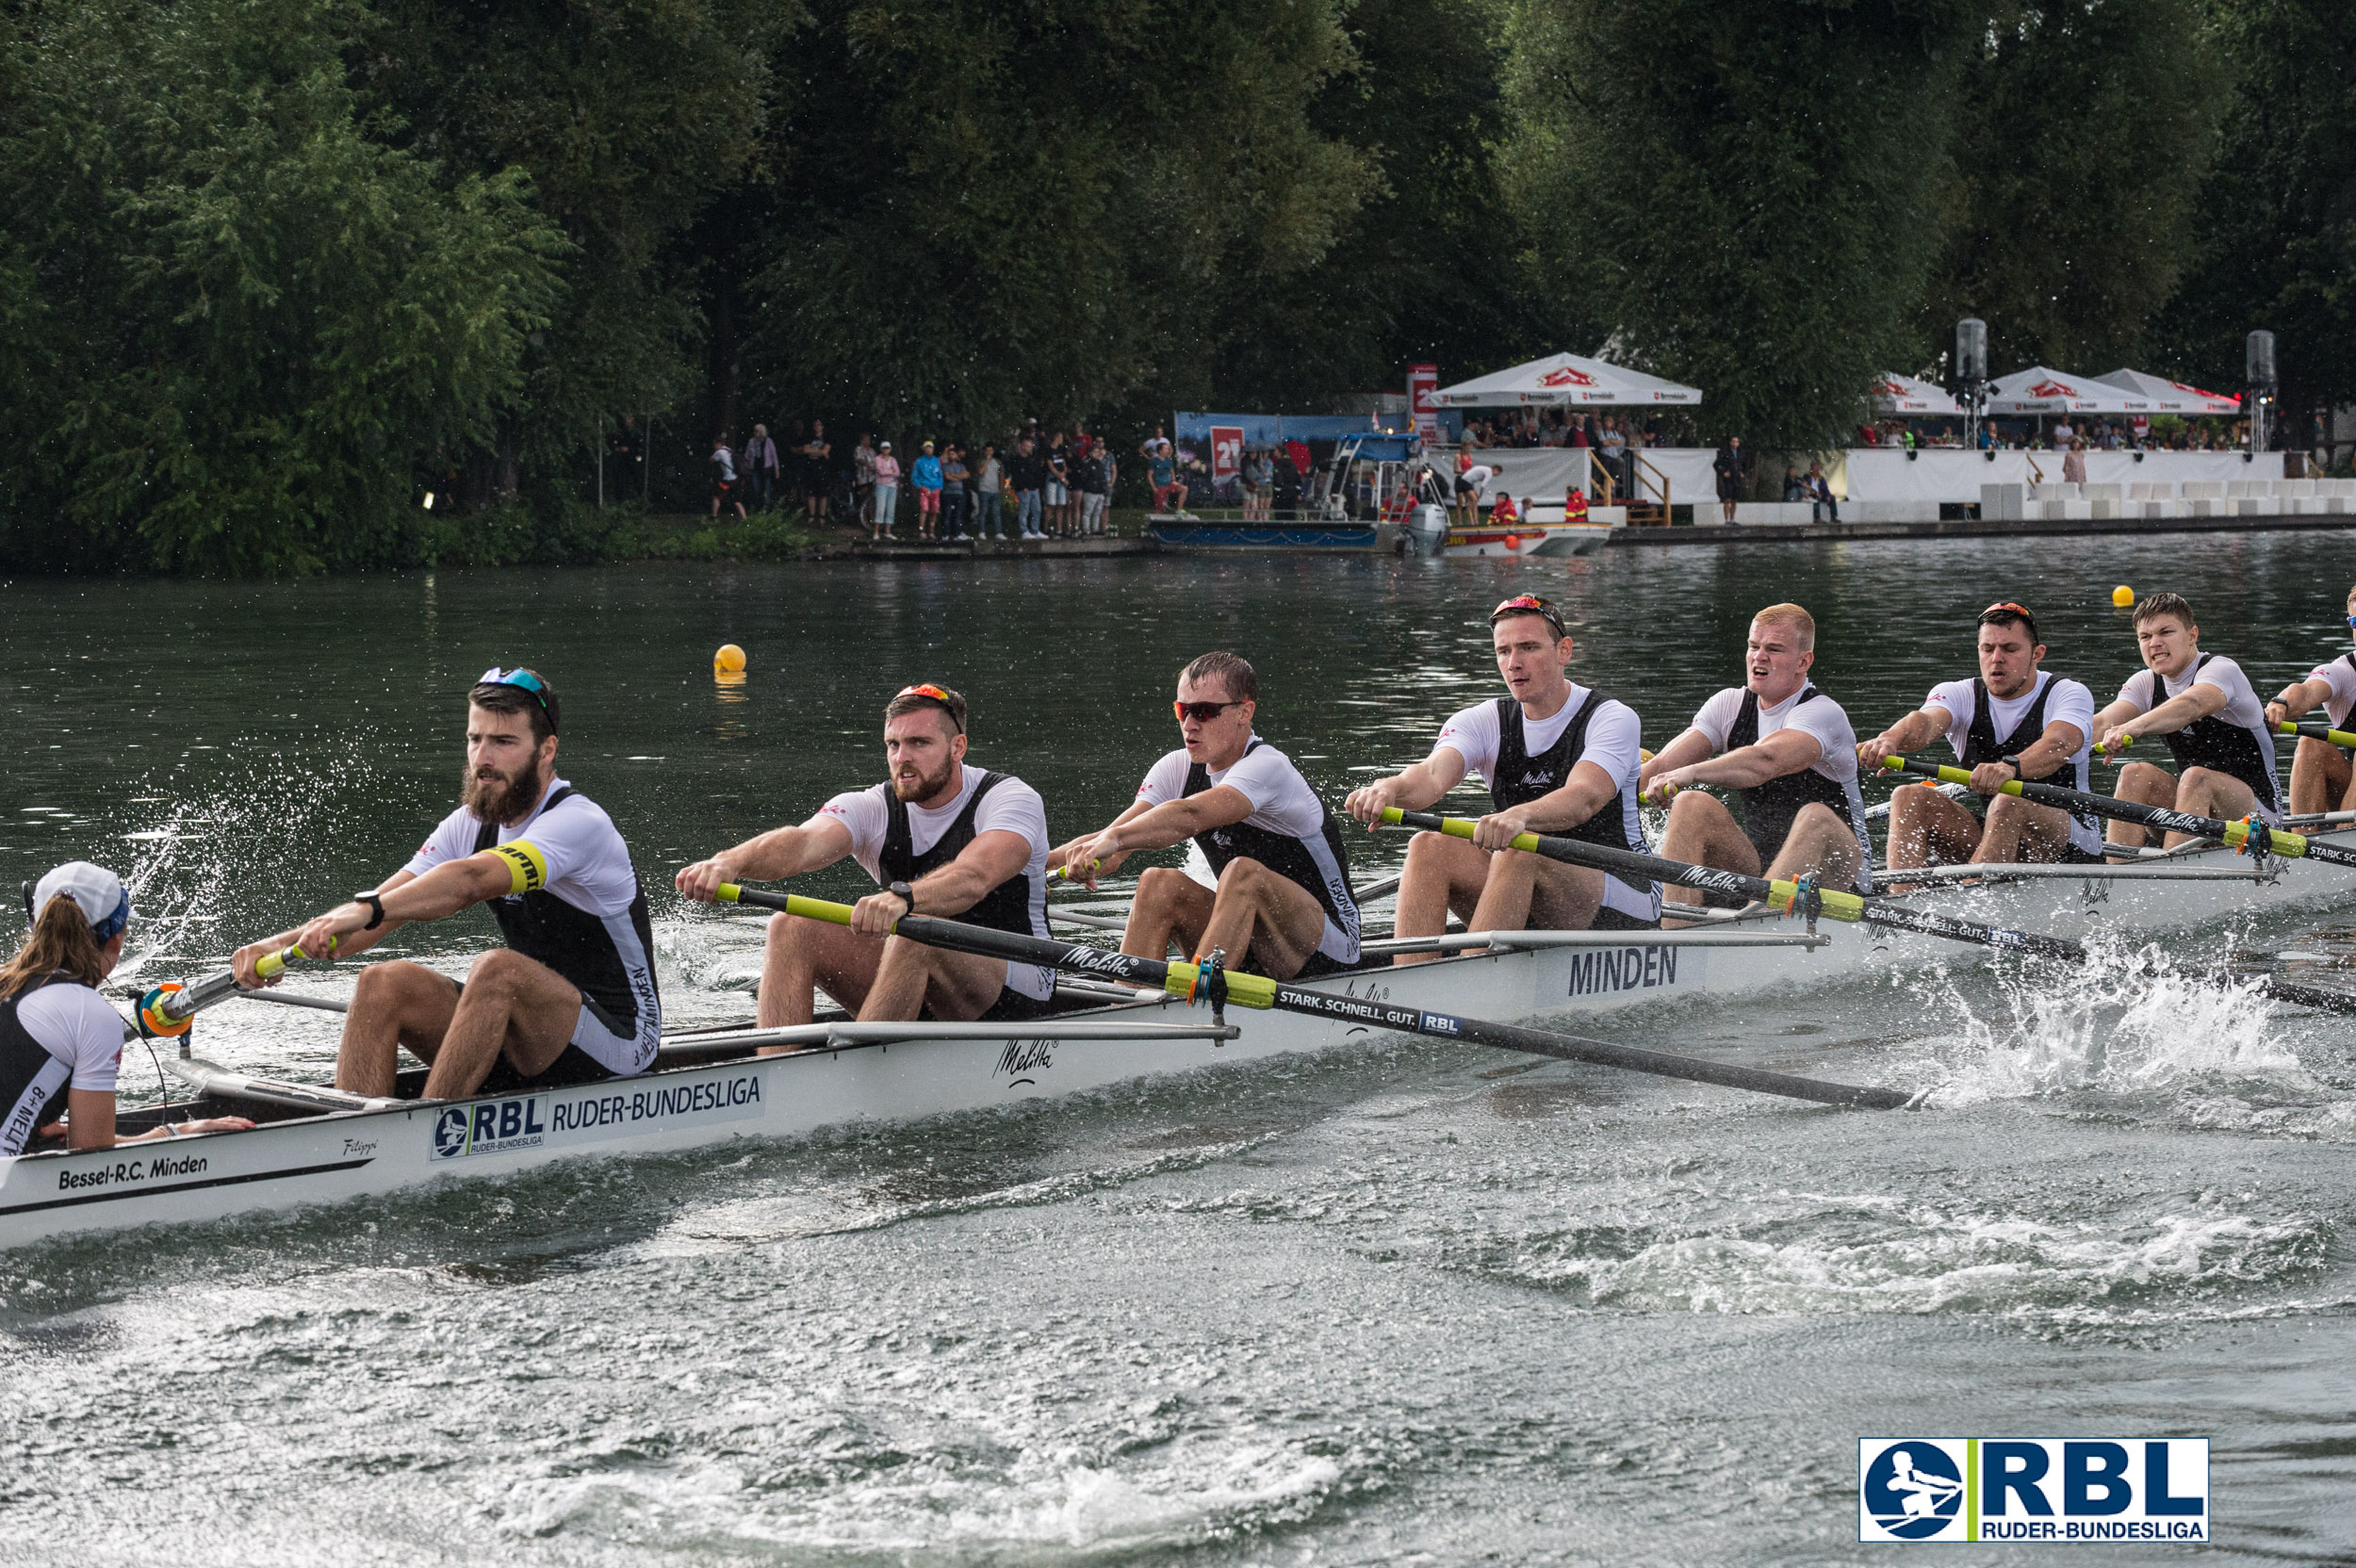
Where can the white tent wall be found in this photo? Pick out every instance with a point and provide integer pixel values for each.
(1546, 472)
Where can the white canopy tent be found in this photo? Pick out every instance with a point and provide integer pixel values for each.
(2041, 390)
(1904, 395)
(1564, 379)
(2171, 397)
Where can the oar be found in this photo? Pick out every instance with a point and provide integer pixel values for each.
(2317, 732)
(1253, 991)
(1840, 906)
(2289, 845)
(1835, 903)
(171, 1008)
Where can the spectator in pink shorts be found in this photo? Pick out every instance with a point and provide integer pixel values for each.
(925, 473)
(1162, 467)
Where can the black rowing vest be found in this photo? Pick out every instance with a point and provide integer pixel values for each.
(1291, 859)
(2217, 743)
(572, 941)
(2341, 722)
(1521, 778)
(32, 1081)
(1768, 808)
(1980, 744)
(1008, 907)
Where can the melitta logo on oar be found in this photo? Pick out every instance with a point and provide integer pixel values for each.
(2047, 1489)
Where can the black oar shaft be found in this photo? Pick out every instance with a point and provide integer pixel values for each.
(1252, 990)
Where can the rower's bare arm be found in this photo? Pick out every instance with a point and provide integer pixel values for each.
(989, 860)
(2058, 744)
(1787, 751)
(1071, 854)
(2297, 700)
(1172, 821)
(769, 857)
(1580, 797)
(2194, 703)
(453, 886)
(1687, 749)
(1409, 790)
(245, 958)
(90, 1122)
(1911, 733)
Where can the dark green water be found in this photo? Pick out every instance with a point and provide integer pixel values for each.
(1368, 1308)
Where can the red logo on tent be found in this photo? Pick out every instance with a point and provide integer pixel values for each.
(1566, 377)
(1893, 389)
(2052, 389)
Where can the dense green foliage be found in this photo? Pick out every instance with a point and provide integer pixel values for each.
(277, 268)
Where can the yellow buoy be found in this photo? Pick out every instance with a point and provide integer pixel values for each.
(730, 657)
(2123, 596)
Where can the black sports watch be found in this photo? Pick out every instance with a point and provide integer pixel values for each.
(907, 893)
(2014, 763)
(376, 908)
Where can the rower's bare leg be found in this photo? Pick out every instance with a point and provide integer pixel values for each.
(1928, 830)
(1444, 876)
(1702, 832)
(2207, 792)
(395, 1004)
(1272, 918)
(1820, 844)
(957, 985)
(2147, 785)
(513, 1005)
(2320, 777)
(1169, 905)
(2022, 831)
(1528, 892)
(801, 955)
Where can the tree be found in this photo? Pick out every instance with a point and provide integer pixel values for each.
(2279, 208)
(1743, 192)
(987, 209)
(236, 325)
(2086, 127)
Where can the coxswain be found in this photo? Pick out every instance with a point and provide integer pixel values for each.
(2012, 721)
(2322, 779)
(2203, 706)
(571, 998)
(1788, 751)
(1558, 758)
(1283, 905)
(60, 1041)
(939, 837)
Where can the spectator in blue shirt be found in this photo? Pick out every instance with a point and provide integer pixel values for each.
(925, 473)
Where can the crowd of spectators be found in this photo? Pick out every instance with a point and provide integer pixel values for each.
(2165, 432)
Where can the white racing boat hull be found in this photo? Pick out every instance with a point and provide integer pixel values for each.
(342, 1155)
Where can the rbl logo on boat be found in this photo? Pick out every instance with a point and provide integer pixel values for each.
(2052, 1488)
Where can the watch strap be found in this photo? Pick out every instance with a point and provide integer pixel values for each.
(376, 908)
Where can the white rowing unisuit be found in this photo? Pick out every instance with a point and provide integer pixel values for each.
(1282, 804)
(1615, 743)
(1836, 749)
(2339, 675)
(2221, 732)
(1011, 806)
(583, 862)
(2070, 703)
(83, 1037)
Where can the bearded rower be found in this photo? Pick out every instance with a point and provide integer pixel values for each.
(2203, 706)
(1558, 758)
(1788, 751)
(1283, 907)
(939, 837)
(2322, 779)
(2012, 721)
(571, 998)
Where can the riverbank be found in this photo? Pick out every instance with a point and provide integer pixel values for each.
(1964, 527)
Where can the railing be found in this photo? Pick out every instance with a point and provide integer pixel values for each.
(1604, 486)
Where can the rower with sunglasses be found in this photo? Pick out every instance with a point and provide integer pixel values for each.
(2322, 779)
(1284, 906)
(1787, 753)
(939, 837)
(571, 998)
(1558, 758)
(2012, 721)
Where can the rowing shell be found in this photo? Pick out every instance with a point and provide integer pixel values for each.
(309, 1148)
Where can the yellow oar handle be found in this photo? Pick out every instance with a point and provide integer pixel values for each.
(1947, 775)
(1781, 895)
(2335, 736)
(2124, 741)
(271, 964)
(1244, 991)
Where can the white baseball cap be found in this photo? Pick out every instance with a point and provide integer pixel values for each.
(98, 893)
